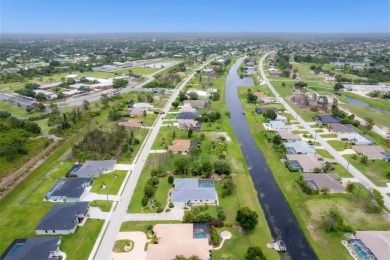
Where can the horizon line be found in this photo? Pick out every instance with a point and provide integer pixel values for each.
(194, 32)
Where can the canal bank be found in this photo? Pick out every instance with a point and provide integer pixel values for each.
(281, 220)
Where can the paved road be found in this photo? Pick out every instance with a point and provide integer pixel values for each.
(117, 216)
(340, 159)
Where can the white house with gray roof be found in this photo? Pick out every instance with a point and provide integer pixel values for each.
(93, 169)
(194, 191)
(68, 190)
(299, 147)
(36, 248)
(63, 219)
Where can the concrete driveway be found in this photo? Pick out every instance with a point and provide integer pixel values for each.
(138, 253)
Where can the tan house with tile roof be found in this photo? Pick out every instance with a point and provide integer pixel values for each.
(131, 123)
(177, 239)
(180, 146)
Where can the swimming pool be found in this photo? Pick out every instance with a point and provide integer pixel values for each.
(362, 250)
(200, 234)
(15, 249)
(206, 185)
(267, 126)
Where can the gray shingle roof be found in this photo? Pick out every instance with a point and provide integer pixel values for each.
(72, 188)
(187, 115)
(95, 168)
(190, 189)
(36, 248)
(62, 217)
(327, 119)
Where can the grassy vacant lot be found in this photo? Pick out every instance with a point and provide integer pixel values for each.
(304, 71)
(283, 91)
(142, 225)
(309, 209)
(16, 111)
(324, 153)
(322, 88)
(380, 119)
(104, 205)
(339, 145)
(113, 181)
(375, 170)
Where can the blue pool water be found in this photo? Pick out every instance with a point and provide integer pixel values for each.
(15, 249)
(267, 125)
(206, 185)
(200, 235)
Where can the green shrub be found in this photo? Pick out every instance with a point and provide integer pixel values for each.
(144, 201)
(171, 205)
(170, 179)
(214, 236)
(159, 210)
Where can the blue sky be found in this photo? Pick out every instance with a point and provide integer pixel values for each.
(100, 16)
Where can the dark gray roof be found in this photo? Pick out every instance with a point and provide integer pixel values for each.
(327, 119)
(62, 216)
(95, 168)
(72, 187)
(36, 248)
(187, 115)
(343, 128)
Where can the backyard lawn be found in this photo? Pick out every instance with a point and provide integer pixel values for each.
(112, 180)
(79, 245)
(375, 170)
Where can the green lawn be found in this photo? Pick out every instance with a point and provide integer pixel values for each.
(339, 145)
(375, 170)
(283, 91)
(142, 225)
(79, 245)
(329, 135)
(16, 111)
(309, 209)
(138, 70)
(112, 180)
(382, 103)
(104, 205)
(324, 153)
(381, 119)
(304, 71)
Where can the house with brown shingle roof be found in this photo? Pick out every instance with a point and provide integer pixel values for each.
(287, 136)
(263, 98)
(180, 146)
(131, 123)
